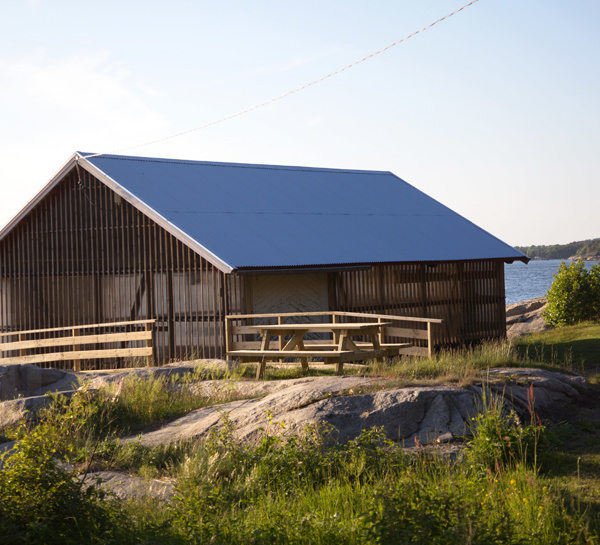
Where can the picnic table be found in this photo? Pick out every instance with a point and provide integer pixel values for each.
(339, 349)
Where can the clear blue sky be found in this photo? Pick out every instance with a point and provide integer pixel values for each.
(494, 112)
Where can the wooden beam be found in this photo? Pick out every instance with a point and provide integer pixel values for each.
(85, 354)
(77, 340)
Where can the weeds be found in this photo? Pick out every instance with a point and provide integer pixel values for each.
(290, 489)
(500, 440)
(41, 500)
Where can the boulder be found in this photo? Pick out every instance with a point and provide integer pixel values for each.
(30, 380)
(523, 307)
(525, 318)
(26, 408)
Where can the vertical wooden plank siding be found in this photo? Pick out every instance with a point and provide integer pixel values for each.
(468, 296)
(84, 255)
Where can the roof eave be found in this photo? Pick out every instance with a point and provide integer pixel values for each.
(333, 267)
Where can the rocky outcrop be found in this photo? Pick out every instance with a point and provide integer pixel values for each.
(25, 408)
(408, 415)
(30, 380)
(525, 317)
(423, 415)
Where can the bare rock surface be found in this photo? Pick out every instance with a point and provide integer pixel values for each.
(525, 318)
(124, 486)
(409, 415)
(413, 416)
(30, 380)
(15, 410)
(523, 307)
(548, 392)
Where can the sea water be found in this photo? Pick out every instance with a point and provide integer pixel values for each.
(524, 282)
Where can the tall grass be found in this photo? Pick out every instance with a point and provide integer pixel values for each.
(366, 491)
(287, 489)
(459, 365)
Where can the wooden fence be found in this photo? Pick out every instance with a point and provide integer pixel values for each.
(77, 343)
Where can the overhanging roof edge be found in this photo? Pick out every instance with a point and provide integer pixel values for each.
(522, 257)
(332, 267)
(154, 215)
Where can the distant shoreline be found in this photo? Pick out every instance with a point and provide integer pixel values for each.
(572, 258)
(588, 250)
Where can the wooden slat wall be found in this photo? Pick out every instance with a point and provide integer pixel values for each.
(468, 296)
(84, 255)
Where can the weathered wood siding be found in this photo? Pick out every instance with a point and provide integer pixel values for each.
(84, 255)
(469, 296)
(303, 292)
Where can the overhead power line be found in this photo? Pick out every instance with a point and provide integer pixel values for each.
(293, 91)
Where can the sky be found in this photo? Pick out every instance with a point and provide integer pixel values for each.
(495, 112)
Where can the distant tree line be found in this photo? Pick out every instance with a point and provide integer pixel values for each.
(583, 248)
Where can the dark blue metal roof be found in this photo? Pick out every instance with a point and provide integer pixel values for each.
(257, 216)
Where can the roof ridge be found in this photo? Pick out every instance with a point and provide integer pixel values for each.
(232, 165)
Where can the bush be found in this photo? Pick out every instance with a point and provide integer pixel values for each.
(41, 498)
(574, 295)
(500, 440)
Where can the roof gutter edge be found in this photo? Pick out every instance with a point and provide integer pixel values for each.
(284, 269)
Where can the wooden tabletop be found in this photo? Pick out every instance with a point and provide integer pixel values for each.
(356, 326)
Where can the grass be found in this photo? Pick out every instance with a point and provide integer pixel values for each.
(297, 489)
(575, 348)
(515, 484)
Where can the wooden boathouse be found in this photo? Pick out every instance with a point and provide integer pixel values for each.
(185, 243)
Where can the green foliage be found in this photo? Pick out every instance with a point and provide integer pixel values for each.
(286, 488)
(500, 439)
(41, 501)
(444, 505)
(570, 348)
(590, 248)
(562, 251)
(574, 295)
(283, 488)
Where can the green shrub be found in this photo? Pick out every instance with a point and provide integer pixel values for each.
(500, 440)
(574, 295)
(41, 500)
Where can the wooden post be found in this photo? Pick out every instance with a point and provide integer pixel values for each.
(228, 335)
(170, 314)
(336, 334)
(148, 327)
(304, 364)
(429, 340)
(379, 320)
(280, 320)
(22, 338)
(262, 365)
(76, 361)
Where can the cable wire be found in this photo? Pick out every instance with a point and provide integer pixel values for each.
(288, 93)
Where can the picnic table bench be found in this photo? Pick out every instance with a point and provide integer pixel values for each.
(336, 345)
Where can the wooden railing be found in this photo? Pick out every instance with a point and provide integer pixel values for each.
(76, 343)
(403, 329)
